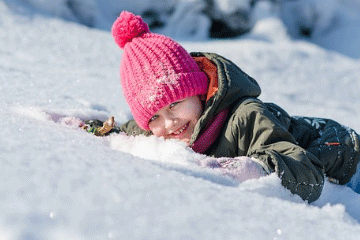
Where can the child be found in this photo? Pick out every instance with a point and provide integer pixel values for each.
(209, 103)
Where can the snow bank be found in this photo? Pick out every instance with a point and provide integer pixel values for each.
(60, 182)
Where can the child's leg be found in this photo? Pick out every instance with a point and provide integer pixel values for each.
(354, 183)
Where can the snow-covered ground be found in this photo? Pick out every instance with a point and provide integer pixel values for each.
(58, 182)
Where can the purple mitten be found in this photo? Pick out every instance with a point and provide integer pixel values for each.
(239, 168)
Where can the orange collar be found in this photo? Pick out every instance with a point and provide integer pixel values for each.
(209, 68)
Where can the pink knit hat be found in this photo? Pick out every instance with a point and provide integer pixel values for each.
(154, 70)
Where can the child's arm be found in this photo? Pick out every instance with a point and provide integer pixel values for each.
(262, 136)
(100, 128)
(132, 129)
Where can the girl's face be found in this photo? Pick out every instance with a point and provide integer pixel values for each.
(177, 120)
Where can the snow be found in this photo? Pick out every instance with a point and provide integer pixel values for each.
(230, 6)
(59, 182)
(187, 21)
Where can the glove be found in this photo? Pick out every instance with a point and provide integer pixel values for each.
(239, 168)
(99, 128)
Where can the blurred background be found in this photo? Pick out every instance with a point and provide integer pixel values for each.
(200, 19)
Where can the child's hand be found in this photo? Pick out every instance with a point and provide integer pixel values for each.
(239, 168)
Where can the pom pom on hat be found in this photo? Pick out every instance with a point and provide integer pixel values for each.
(128, 26)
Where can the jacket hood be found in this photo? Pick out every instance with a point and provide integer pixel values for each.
(233, 86)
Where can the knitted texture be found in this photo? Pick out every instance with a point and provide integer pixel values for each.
(154, 70)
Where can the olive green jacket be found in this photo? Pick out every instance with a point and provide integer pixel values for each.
(300, 150)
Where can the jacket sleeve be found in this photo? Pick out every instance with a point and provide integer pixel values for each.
(132, 129)
(261, 135)
(129, 128)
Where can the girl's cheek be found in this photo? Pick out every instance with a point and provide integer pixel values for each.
(157, 131)
(184, 111)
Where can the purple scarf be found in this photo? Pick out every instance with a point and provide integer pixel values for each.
(208, 136)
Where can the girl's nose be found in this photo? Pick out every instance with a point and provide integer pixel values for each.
(169, 122)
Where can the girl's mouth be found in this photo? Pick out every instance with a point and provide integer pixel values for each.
(181, 131)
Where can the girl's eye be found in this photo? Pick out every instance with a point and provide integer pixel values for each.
(173, 104)
(153, 118)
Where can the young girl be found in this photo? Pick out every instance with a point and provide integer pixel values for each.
(210, 104)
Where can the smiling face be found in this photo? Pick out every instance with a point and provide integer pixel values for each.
(177, 120)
